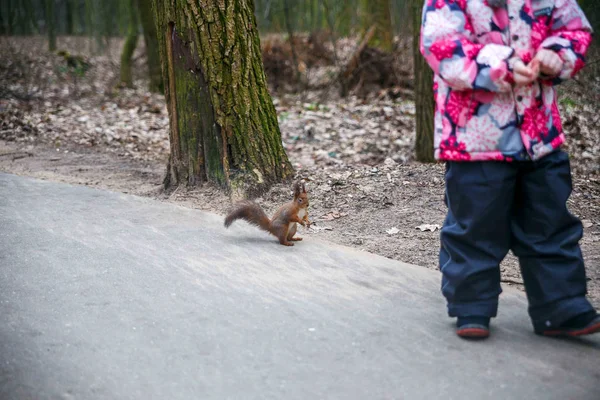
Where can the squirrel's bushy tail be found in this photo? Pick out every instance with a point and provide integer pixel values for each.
(250, 212)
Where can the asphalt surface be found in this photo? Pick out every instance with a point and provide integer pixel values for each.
(110, 296)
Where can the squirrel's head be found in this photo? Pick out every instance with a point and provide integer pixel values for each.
(300, 195)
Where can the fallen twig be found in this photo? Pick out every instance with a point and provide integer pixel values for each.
(174, 191)
(515, 282)
(17, 154)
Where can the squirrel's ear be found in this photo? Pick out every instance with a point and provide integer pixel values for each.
(297, 189)
(303, 188)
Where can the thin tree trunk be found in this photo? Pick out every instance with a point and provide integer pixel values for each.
(108, 22)
(31, 18)
(290, 31)
(151, 40)
(312, 5)
(424, 103)
(94, 14)
(69, 16)
(2, 26)
(129, 46)
(319, 17)
(344, 16)
(22, 28)
(10, 21)
(51, 25)
(330, 22)
(224, 126)
(90, 28)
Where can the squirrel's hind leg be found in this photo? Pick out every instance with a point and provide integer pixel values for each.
(283, 236)
(291, 234)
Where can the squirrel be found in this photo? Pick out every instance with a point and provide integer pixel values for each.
(283, 224)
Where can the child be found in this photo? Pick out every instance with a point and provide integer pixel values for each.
(497, 126)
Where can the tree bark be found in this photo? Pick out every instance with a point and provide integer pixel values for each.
(223, 123)
(129, 46)
(377, 12)
(424, 103)
(51, 25)
(151, 40)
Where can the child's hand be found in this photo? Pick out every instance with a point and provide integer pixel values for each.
(550, 63)
(523, 74)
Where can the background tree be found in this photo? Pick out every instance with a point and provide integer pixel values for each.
(129, 46)
(51, 25)
(223, 123)
(7, 17)
(150, 38)
(424, 103)
(2, 23)
(69, 17)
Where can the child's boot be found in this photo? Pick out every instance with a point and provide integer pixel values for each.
(583, 324)
(473, 327)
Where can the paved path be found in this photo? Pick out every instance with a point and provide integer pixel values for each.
(109, 296)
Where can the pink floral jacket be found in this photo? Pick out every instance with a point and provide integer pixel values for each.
(471, 46)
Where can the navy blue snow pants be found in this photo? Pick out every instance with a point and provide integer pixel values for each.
(494, 207)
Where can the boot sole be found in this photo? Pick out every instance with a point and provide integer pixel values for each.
(473, 333)
(588, 330)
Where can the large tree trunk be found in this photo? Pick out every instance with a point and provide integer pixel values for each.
(378, 13)
(129, 46)
(224, 127)
(424, 103)
(151, 40)
(51, 25)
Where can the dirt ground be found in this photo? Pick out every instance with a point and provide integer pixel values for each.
(366, 190)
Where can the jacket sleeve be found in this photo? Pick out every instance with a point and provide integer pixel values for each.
(448, 44)
(570, 37)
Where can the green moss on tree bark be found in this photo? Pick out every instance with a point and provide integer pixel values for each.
(224, 126)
